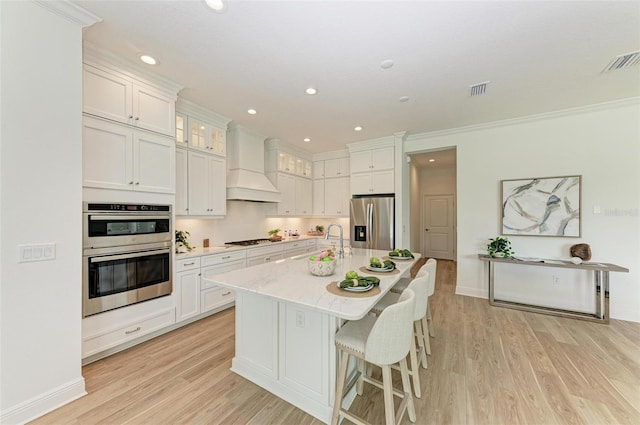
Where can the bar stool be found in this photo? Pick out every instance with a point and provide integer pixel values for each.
(419, 286)
(383, 341)
(427, 321)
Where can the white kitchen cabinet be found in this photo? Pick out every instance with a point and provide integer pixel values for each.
(206, 184)
(264, 254)
(318, 170)
(286, 184)
(299, 247)
(303, 167)
(187, 288)
(304, 199)
(119, 97)
(372, 160)
(286, 162)
(318, 197)
(338, 167)
(336, 197)
(213, 296)
(372, 183)
(120, 157)
(202, 136)
(182, 182)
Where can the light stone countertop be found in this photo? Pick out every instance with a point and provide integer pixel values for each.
(289, 280)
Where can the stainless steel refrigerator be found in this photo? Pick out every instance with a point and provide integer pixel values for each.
(373, 222)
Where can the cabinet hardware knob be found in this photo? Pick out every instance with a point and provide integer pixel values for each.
(267, 259)
(137, 118)
(426, 230)
(130, 332)
(137, 182)
(226, 293)
(130, 182)
(186, 141)
(189, 264)
(226, 257)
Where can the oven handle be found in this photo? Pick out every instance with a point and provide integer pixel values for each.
(128, 217)
(102, 259)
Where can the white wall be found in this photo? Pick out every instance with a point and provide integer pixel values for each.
(40, 195)
(247, 220)
(601, 143)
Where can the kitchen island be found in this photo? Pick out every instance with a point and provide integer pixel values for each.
(286, 320)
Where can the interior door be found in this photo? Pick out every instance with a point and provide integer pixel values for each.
(439, 229)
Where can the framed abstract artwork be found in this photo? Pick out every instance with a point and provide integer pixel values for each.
(544, 206)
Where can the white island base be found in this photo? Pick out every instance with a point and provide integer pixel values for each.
(286, 321)
(288, 350)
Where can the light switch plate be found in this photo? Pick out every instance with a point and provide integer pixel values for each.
(36, 252)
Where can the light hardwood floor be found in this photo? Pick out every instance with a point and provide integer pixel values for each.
(489, 365)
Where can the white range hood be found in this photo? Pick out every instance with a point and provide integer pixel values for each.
(246, 180)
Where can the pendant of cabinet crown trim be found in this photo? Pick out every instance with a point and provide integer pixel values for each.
(124, 158)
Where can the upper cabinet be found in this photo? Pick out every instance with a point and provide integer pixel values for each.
(372, 168)
(285, 159)
(200, 129)
(372, 160)
(120, 157)
(331, 184)
(120, 97)
(201, 166)
(338, 167)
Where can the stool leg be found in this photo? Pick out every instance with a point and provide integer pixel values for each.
(342, 375)
(406, 388)
(415, 373)
(362, 368)
(421, 341)
(432, 330)
(387, 386)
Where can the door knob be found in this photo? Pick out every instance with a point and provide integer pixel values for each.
(426, 230)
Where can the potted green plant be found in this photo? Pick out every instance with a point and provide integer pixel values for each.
(274, 236)
(182, 244)
(500, 247)
(320, 229)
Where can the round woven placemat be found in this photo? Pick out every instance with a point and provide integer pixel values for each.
(363, 269)
(332, 287)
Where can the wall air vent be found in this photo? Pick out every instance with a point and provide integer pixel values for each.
(623, 61)
(478, 89)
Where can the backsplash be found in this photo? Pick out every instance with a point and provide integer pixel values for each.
(247, 220)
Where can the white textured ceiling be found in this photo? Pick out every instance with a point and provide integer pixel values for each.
(538, 57)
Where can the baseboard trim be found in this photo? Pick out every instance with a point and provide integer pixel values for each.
(44, 403)
(471, 292)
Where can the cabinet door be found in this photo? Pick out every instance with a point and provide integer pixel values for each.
(338, 167)
(303, 167)
(107, 95)
(304, 200)
(382, 159)
(154, 163)
(187, 289)
(318, 197)
(198, 173)
(107, 155)
(286, 186)
(153, 110)
(182, 179)
(361, 183)
(182, 131)
(318, 169)
(336, 196)
(219, 141)
(286, 162)
(198, 134)
(217, 186)
(360, 161)
(382, 182)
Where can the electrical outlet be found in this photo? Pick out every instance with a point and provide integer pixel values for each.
(205, 243)
(36, 252)
(300, 319)
(555, 279)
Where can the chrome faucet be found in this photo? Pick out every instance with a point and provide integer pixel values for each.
(326, 236)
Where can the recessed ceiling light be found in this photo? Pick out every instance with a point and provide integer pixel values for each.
(404, 98)
(311, 90)
(386, 64)
(306, 139)
(252, 111)
(216, 5)
(149, 60)
(432, 160)
(358, 128)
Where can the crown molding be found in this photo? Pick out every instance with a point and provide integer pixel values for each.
(70, 11)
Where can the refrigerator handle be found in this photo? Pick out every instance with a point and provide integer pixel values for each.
(370, 224)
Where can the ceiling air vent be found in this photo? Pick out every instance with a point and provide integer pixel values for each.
(623, 61)
(478, 89)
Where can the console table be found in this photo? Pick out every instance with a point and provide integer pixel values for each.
(600, 283)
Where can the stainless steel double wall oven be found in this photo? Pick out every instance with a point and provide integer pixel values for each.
(127, 255)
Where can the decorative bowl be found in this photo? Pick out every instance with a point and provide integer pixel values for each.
(322, 268)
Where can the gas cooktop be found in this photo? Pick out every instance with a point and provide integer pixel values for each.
(250, 242)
